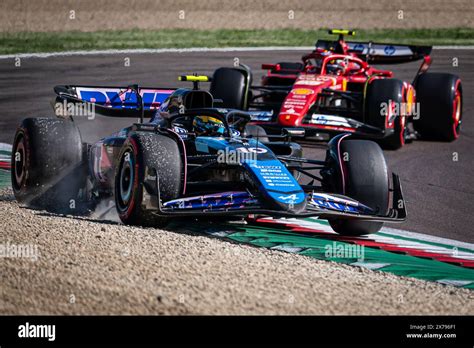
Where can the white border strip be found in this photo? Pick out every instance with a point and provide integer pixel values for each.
(427, 238)
(418, 237)
(154, 51)
(6, 147)
(454, 47)
(183, 50)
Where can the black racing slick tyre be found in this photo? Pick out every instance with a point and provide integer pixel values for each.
(365, 179)
(440, 98)
(47, 165)
(382, 98)
(143, 157)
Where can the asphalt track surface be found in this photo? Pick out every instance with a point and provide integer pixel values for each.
(438, 189)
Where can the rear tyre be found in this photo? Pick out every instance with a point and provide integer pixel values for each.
(47, 167)
(389, 93)
(143, 157)
(440, 98)
(364, 177)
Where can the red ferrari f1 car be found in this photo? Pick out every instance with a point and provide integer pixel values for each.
(336, 89)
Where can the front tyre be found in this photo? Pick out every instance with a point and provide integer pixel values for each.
(143, 157)
(364, 178)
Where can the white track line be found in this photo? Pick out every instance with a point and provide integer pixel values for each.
(453, 47)
(182, 50)
(5, 147)
(153, 51)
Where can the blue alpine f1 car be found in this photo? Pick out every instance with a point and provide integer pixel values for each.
(192, 160)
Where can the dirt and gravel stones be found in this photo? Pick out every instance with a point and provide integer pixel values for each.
(93, 15)
(86, 266)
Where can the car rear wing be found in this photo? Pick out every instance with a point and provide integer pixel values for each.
(380, 53)
(130, 101)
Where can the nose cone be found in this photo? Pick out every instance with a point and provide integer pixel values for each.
(279, 188)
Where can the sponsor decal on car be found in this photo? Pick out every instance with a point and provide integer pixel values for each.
(261, 115)
(358, 47)
(329, 120)
(310, 82)
(389, 50)
(122, 99)
(273, 175)
(325, 201)
(220, 201)
(315, 81)
(380, 49)
(182, 132)
(291, 102)
(302, 91)
(289, 198)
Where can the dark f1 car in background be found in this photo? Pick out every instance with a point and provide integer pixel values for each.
(194, 160)
(336, 89)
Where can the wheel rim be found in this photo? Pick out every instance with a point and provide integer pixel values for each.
(457, 113)
(390, 112)
(126, 179)
(19, 166)
(402, 129)
(402, 122)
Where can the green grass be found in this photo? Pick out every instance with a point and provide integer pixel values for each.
(11, 43)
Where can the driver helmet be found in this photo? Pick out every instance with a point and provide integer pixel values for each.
(336, 67)
(208, 126)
